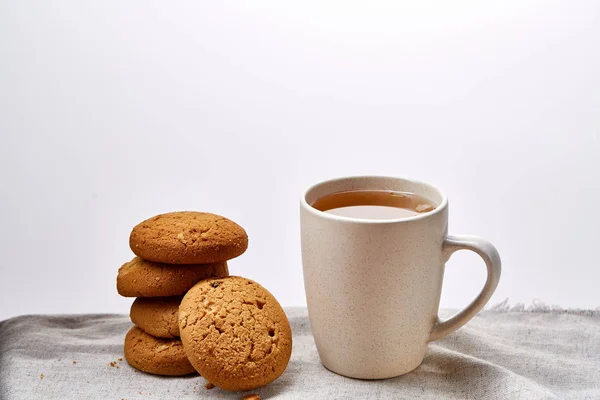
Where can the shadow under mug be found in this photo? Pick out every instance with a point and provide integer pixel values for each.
(373, 286)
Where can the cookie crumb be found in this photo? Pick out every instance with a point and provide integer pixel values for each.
(251, 397)
(74, 362)
(41, 376)
(112, 364)
(120, 359)
(209, 385)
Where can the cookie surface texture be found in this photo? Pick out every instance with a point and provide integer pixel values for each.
(235, 333)
(155, 355)
(141, 278)
(188, 237)
(156, 316)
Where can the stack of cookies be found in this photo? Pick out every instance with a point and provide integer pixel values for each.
(190, 315)
(174, 252)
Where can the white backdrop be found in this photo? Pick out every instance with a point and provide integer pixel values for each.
(111, 112)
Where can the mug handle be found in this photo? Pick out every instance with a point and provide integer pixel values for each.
(490, 255)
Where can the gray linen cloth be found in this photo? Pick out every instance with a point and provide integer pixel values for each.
(498, 355)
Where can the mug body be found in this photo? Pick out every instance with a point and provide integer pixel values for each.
(372, 286)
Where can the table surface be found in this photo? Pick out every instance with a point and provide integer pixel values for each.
(498, 355)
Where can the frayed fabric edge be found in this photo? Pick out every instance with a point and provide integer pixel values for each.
(538, 306)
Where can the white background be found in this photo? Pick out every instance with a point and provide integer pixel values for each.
(111, 112)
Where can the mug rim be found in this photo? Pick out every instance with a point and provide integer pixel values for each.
(443, 204)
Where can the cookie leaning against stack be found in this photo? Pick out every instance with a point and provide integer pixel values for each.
(175, 251)
(235, 333)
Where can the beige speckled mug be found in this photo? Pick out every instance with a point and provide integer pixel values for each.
(373, 286)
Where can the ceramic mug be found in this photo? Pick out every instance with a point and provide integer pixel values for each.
(373, 286)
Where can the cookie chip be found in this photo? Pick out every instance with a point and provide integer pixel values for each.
(156, 316)
(188, 237)
(155, 355)
(235, 333)
(141, 278)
